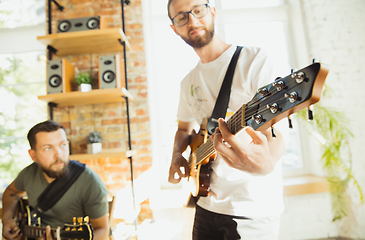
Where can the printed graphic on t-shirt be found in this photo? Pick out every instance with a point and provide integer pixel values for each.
(196, 101)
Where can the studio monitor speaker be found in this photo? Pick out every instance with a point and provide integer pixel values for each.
(111, 72)
(60, 74)
(80, 24)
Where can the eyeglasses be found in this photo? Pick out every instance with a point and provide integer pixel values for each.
(183, 18)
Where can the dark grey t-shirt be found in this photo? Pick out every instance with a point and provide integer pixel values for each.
(86, 197)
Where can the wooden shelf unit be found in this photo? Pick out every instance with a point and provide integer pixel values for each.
(81, 98)
(86, 42)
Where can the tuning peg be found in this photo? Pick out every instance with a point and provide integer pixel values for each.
(279, 85)
(74, 220)
(86, 219)
(292, 96)
(263, 91)
(290, 123)
(79, 220)
(298, 76)
(310, 114)
(273, 132)
(273, 107)
(257, 118)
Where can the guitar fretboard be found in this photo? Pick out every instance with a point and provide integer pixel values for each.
(36, 232)
(206, 150)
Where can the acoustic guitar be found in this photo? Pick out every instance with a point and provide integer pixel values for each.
(31, 228)
(271, 103)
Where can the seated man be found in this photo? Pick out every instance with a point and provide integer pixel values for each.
(87, 196)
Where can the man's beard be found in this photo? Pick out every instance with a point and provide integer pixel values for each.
(56, 174)
(202, 41)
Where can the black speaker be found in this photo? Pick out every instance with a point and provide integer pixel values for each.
(80, 24)
(60, 74)
(111, 72)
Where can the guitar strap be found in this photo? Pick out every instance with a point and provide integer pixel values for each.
(58, 188)
(221, 104)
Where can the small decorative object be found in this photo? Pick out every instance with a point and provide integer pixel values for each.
(94, 143)
(84, 81)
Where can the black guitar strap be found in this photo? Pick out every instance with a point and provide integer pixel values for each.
(221, 104)
(58, 188)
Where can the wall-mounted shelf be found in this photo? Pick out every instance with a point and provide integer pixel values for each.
(85, 42)
(80, 98)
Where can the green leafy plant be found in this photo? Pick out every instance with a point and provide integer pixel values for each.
(83, 78)
(94, 137)
(330, 127)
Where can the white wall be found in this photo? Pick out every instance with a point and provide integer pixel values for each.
(335, 32)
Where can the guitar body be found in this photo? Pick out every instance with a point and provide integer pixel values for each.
(199, 176)
(25, 218)
(271, 103)
(31, 226)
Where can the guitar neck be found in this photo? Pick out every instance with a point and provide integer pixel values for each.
(36, 232)
(234, 125)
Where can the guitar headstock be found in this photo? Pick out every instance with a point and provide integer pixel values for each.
(285, 96)
(79, 229)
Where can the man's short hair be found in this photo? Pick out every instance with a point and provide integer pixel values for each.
(168, 8)
(46, 126)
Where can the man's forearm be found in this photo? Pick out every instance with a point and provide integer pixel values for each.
(101, 234)
(182, 140)
(10, 202)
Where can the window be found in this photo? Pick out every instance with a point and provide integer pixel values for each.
(20, 13)
(263, 23)
(22, 79)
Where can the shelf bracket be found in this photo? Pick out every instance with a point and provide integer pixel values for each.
(130, 153)
(121, 41)
(127, 94)
(51, 50)
(51, 105)
(60, 8)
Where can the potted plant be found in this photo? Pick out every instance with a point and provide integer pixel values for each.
(94, 142)
(84, 81)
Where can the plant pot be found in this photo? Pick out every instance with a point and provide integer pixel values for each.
(85, 87)
(93, 148)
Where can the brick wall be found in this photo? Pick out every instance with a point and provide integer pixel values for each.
(336, 36)
(111, 119)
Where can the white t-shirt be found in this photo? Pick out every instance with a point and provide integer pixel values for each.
(233, 192)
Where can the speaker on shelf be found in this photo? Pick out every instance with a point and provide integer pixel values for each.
(111, 72)
(80, 24)
(60, 74)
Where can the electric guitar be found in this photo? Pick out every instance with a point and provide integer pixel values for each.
(29, 226)
(271, 103)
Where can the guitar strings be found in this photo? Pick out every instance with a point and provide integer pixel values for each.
(207, 149)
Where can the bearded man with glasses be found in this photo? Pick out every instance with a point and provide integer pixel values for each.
(245, 198)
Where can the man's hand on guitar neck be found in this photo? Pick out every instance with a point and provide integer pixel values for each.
(47, 234)
(258, 156)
